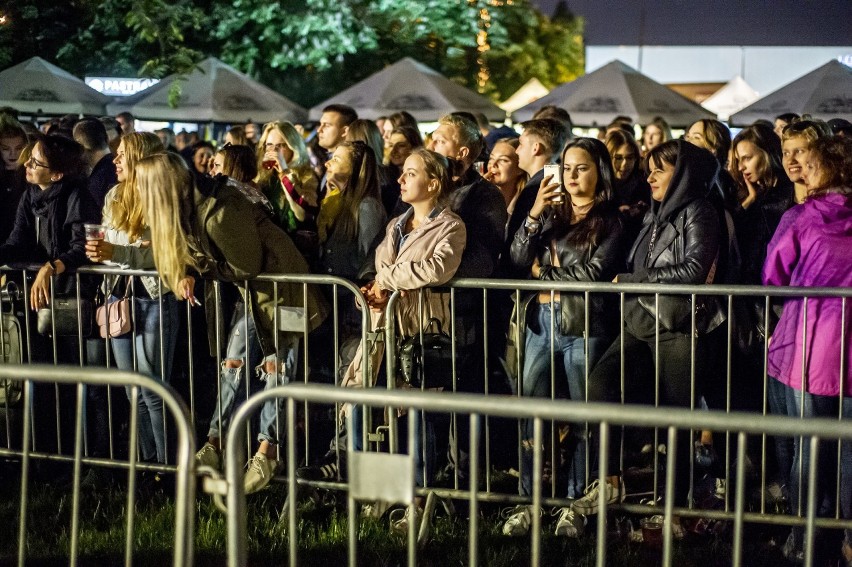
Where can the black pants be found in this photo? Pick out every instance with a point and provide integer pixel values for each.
(675, 388)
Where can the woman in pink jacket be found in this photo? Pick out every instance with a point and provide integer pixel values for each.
(422, 248)
(812, 247)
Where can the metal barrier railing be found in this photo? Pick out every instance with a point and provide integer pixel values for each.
(616, 294)
(76, 349)
(606, 416)
(185, 475)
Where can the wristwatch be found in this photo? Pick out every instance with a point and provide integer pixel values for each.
(532, 224)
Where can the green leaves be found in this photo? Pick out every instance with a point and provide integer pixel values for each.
(306, 49)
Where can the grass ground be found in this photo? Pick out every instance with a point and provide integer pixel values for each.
(322, 535)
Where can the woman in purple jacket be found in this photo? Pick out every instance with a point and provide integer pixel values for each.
(805, 358)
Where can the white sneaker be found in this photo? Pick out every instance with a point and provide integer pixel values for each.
(518, 520)
(374, 510)
(208, 456)
(401, 518)
(260, 471)
(569, 523)
(588, 504)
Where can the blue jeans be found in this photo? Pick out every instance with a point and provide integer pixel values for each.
(776, 397)
(244, 346)
(800, 404)
(425, 450)
(570, 352)
(145, 343)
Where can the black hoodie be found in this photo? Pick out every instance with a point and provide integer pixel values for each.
(679, 239)
(679, 244)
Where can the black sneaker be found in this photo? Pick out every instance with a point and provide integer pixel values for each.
(326, 469)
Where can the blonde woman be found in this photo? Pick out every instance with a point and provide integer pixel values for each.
(286, 178)
(213, 228)
(127, 245)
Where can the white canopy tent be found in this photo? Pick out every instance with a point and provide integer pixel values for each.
(735, 95)
(824, 93)
(37, 87)
(530, 92)
(411, 86)
(213, 92)
(617, 89)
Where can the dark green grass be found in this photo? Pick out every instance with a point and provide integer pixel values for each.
(322, 536)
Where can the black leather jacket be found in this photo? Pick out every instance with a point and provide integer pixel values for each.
(591, 263)
(679, 243)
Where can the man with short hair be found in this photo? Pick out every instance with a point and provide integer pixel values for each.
(478, 202)
(252, 132)
(167, 137)
(540, 143)
(332, 130)
(91, 134)
(482, 208)
(127, 122)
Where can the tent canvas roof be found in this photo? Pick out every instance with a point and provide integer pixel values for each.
(617, 89)
(735, 95)
(213, 92)
(531, 91)
(36, 86)
(411, 86)
(824, 93)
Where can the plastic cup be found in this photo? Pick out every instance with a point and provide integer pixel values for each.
(269, 164)
(95, 231)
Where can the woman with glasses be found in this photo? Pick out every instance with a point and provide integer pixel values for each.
(286, 178)
(48, 231)
(631, 191)
(49, 221)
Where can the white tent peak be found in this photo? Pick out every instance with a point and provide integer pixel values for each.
(531, 91)
(734, 96)
(212, 92)
(35, 85)
(618, 89)
(411, 86)
(824, 93)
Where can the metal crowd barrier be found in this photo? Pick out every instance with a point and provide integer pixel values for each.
(184, 471)
(62, 350)
(616, 293)
(376, 476)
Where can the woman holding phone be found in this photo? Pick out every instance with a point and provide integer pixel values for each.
(579, 239)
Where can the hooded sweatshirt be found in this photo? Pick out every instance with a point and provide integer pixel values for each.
(690, 184)
(815, 251)
(679, 240)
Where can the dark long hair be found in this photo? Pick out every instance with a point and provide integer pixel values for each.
(362, 184)
(587, 232)
(769, 148)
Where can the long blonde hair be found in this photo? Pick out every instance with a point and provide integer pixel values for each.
(124, 210)
(165, 186)
(293, 140)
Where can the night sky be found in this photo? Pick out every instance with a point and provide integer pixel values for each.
(714, 22)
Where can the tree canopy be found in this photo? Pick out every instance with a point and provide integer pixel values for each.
(306, 49)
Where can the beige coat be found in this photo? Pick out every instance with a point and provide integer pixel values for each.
(430, 256)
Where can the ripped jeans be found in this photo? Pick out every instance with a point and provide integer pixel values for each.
(243, 346)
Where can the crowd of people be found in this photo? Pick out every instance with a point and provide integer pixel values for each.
(377, 204)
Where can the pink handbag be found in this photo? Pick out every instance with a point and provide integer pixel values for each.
(115, 319)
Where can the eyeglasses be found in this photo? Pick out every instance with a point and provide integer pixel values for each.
(277, 147)
(35, 163)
